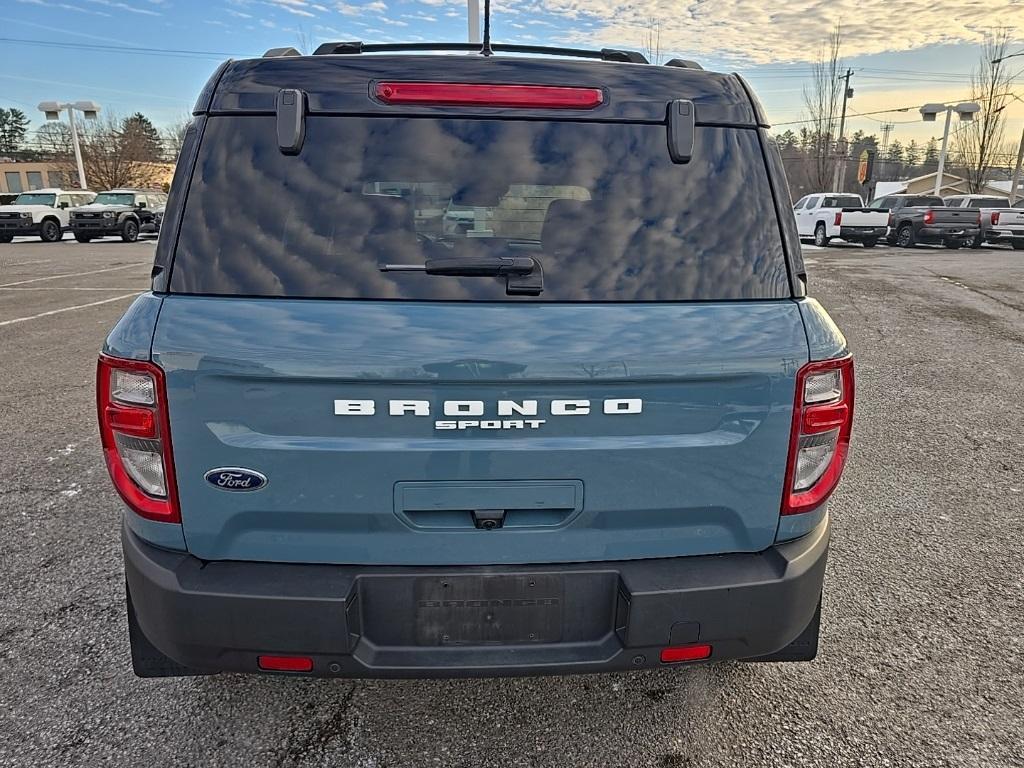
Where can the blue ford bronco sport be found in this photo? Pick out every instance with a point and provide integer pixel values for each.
(506, 367)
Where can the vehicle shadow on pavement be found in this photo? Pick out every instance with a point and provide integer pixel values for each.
(662, 718)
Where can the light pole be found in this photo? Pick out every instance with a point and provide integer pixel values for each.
(473, 16)
(89, 109)
(929, 113)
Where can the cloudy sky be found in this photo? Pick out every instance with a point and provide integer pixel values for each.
(903, 54)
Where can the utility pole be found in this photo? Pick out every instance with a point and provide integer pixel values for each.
(1016, 170)
(839, 177)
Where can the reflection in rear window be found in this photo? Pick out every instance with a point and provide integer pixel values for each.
(600, 206)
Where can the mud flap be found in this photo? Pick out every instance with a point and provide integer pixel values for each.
(147, 660)
(804, 648)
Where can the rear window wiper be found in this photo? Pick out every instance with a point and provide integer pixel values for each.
(524, 274)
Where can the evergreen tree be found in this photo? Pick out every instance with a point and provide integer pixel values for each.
(931, 152)
(912, 154)
(788, 141)
(141, 139)
(894, 154)
(13, 127)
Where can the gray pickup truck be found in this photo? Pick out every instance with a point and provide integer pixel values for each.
(917, 219)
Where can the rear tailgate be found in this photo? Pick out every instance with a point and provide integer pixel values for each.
(1009, 219)
(699, 469)
(954, 218)
(868, 218)
(637, 404)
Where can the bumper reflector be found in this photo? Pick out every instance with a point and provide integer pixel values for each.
(285, 663)
(685, 653)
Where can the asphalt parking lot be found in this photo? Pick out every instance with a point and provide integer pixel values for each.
(921, 659)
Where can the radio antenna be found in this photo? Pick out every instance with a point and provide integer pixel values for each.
(486, 49)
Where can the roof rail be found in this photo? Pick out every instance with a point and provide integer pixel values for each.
(274, 53)
(683, 63)
(357, 46)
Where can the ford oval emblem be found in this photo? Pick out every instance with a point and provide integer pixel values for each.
(235, 479)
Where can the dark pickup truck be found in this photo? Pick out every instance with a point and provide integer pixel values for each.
(917, 219)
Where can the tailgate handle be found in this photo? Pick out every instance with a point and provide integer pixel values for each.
(681, 126)
(291, 120)
(488, 505)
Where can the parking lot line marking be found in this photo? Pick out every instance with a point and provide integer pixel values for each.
(73, 274)
(69, 309)
(108, 289)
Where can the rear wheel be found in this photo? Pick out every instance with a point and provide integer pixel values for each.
(82, 238)
(905, 237)
(953, 245)
(820, 238)
(6, 237)
(977, 241)
(1018, 244)
(870, 243)
(50, 231)
(130, 231)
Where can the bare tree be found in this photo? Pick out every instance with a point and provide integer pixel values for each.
(173, 136)
(650, 45)
(113, 157)
(977, 143)
(822, 100)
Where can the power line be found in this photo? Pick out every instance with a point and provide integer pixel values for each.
(130, 50)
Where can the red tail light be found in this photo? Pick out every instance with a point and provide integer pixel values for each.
(488, 95)
(685, 653)
(820, 440)
(135, 431)
(839, 218)
(929, 217)
(995, 217)
(285, 663)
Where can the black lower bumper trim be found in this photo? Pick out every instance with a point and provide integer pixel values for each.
(380, 621)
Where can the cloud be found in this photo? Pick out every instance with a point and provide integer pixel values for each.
(760, 31)
(64, 7)
(125, 7)
(351, 9)
(238, 14)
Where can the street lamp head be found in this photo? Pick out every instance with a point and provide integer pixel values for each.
(929, 112)
(967, 110)
(51, 109)
(88, 108)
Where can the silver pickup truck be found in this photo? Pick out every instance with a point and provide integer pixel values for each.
(1000, 222)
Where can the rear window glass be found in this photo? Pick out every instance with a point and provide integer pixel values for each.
(599, 206)
(931, 202)
(842, 202)
(989, 202)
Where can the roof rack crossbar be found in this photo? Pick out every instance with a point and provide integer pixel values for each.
(356, 47)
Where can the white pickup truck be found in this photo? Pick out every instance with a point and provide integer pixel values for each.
(1000, 223)
(827, 215)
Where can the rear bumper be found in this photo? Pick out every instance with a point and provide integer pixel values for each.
(1004, 234)
(376, 621)
(941, 233)
(857, 234)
